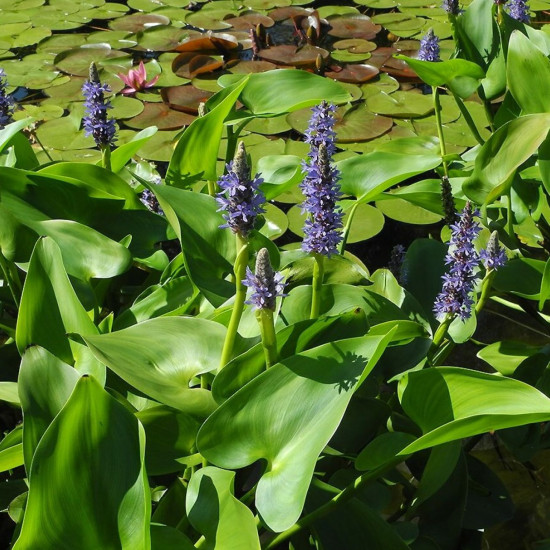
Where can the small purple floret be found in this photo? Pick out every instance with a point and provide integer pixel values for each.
(458, 284)
(320, 185)
(96, 123)
(267, 285)
(518, 10)
(7, 104)
(429, 47)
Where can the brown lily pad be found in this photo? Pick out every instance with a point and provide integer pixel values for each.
(288, 54)
(161, 116)
(250, 21)
(189, 64)
(354, 74)
(398, 67)
(184, 98)
(138, 22)
(248, 67)
(353, 26)
(380, 56)
(287, 12)
(222, 44)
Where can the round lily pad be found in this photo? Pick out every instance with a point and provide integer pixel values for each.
(161, 116)
(31, 36)
(190, 64)
(215, 44)
(64, 134)
(401, 104)
(385, 83)
(61, 42)
(77, 61)
(116, 39)
(248, 67)
(355, 45)
(160, 38)
(125, 107)
(160, 147)
(39, 112)
(208, 82)
(210, 20)
(399, 68)
(185, 98)
(353, 26)
(329, 11)
(276, 222)
(109, 10)
(269, 126)
(250, 21)
(137, 22)
(287, 12)
(354, 74)
(265, 4)
(288, 54)
(345, 56)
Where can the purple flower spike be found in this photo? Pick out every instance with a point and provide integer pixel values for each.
(320, 186)
(493, 256)
(429, 47)
(451, 7)
(7, 103)
(96, 123)
(266, 284)
(458, 284)
(240, 196)
(518, 10)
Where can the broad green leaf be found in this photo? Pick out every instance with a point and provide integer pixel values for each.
(196, 152)
(282, 91)
(208, 251)
(121, 155)
(217, 514)
(105, 503)
(280, 173)
(47, 321)
(160, 357)
(475, 32)
(528, 75)
(11, 458)
(286, 416)
(521, 276)
(450, 403)
(290, 340)
(45, 385)
(506, 356)
(382, 449)
(8, 392)
(545, 285)
(365, 176)
(164, 537)
(9, 131)
(502, 154)
(459, 75)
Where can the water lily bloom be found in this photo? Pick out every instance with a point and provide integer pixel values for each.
(320, 186)
(463, 258)
(7, 103)
(96, 123)
(518, 10)
(429, 47)
(136, 80)
(240, 195)
(266, 284)
(493, 256)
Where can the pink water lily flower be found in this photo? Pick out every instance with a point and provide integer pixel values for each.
(136, 80)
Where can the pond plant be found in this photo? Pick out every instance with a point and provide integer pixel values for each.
(339, 341)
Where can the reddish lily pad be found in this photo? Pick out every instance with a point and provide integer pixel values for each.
(353, 26)
(189, 64)
(161, 116)
(138, 22)
(220, 44)
(248, 67)
(185, 98)
(354, 74)
(250, 21)
(399, 68)
(287, 12)
(288, 54)
(380, 56)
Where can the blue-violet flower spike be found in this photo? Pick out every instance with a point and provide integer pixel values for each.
(429, 47)
(96, 123)
(266, 284)
(518, 10)
(240, 196)
(451, 7)
(7, 103)
(321, 130)
(493, 256)
(458, 284)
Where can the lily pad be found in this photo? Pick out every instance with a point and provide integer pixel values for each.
(125, 107)
(353, 26)
(77, 61)
(160, 38)
(161, 116)
(185, 98)
(160, 147)
(190, 64)
(354, 74)
(250, 21)
(345, 56)
(288, 54)
(401, 104)
(355, 45)
(138, 22)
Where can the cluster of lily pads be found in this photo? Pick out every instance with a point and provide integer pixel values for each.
(202, 354)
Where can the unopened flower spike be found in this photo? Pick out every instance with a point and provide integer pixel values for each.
(458, 284)
(518, 10)
(96, 123)
(493, 256)
(451, 7)
(447, 200)
(7, 103)
(266, 284)
(397, 264)
(429, 47)
(240, 195)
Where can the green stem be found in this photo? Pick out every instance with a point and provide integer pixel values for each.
(269, 339)
(487, 106)
(486, 285)
(106, 157)
(437, 109)
(11, 278)
(212, 188)
(468, 118)
(439, 336)
(347, 227)
(240, 294)
(510, 216)
(332, 504)
(35, 135)
(317, 285)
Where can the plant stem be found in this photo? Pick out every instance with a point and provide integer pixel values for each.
(35, 135)
(106, 157)
(509, 216)
(11, 278)
(269, 339)
(317, 285)
(347, 227)
(439, 337)
(437, 109)
(468, 118)
(240, 294)
(212, 188)
(487, 106)
(333, 503)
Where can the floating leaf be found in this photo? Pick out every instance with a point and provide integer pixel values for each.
(138, 22)
(287, 54)
(185, 98)
(355, 74)
(353, 26)
(161, 116)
